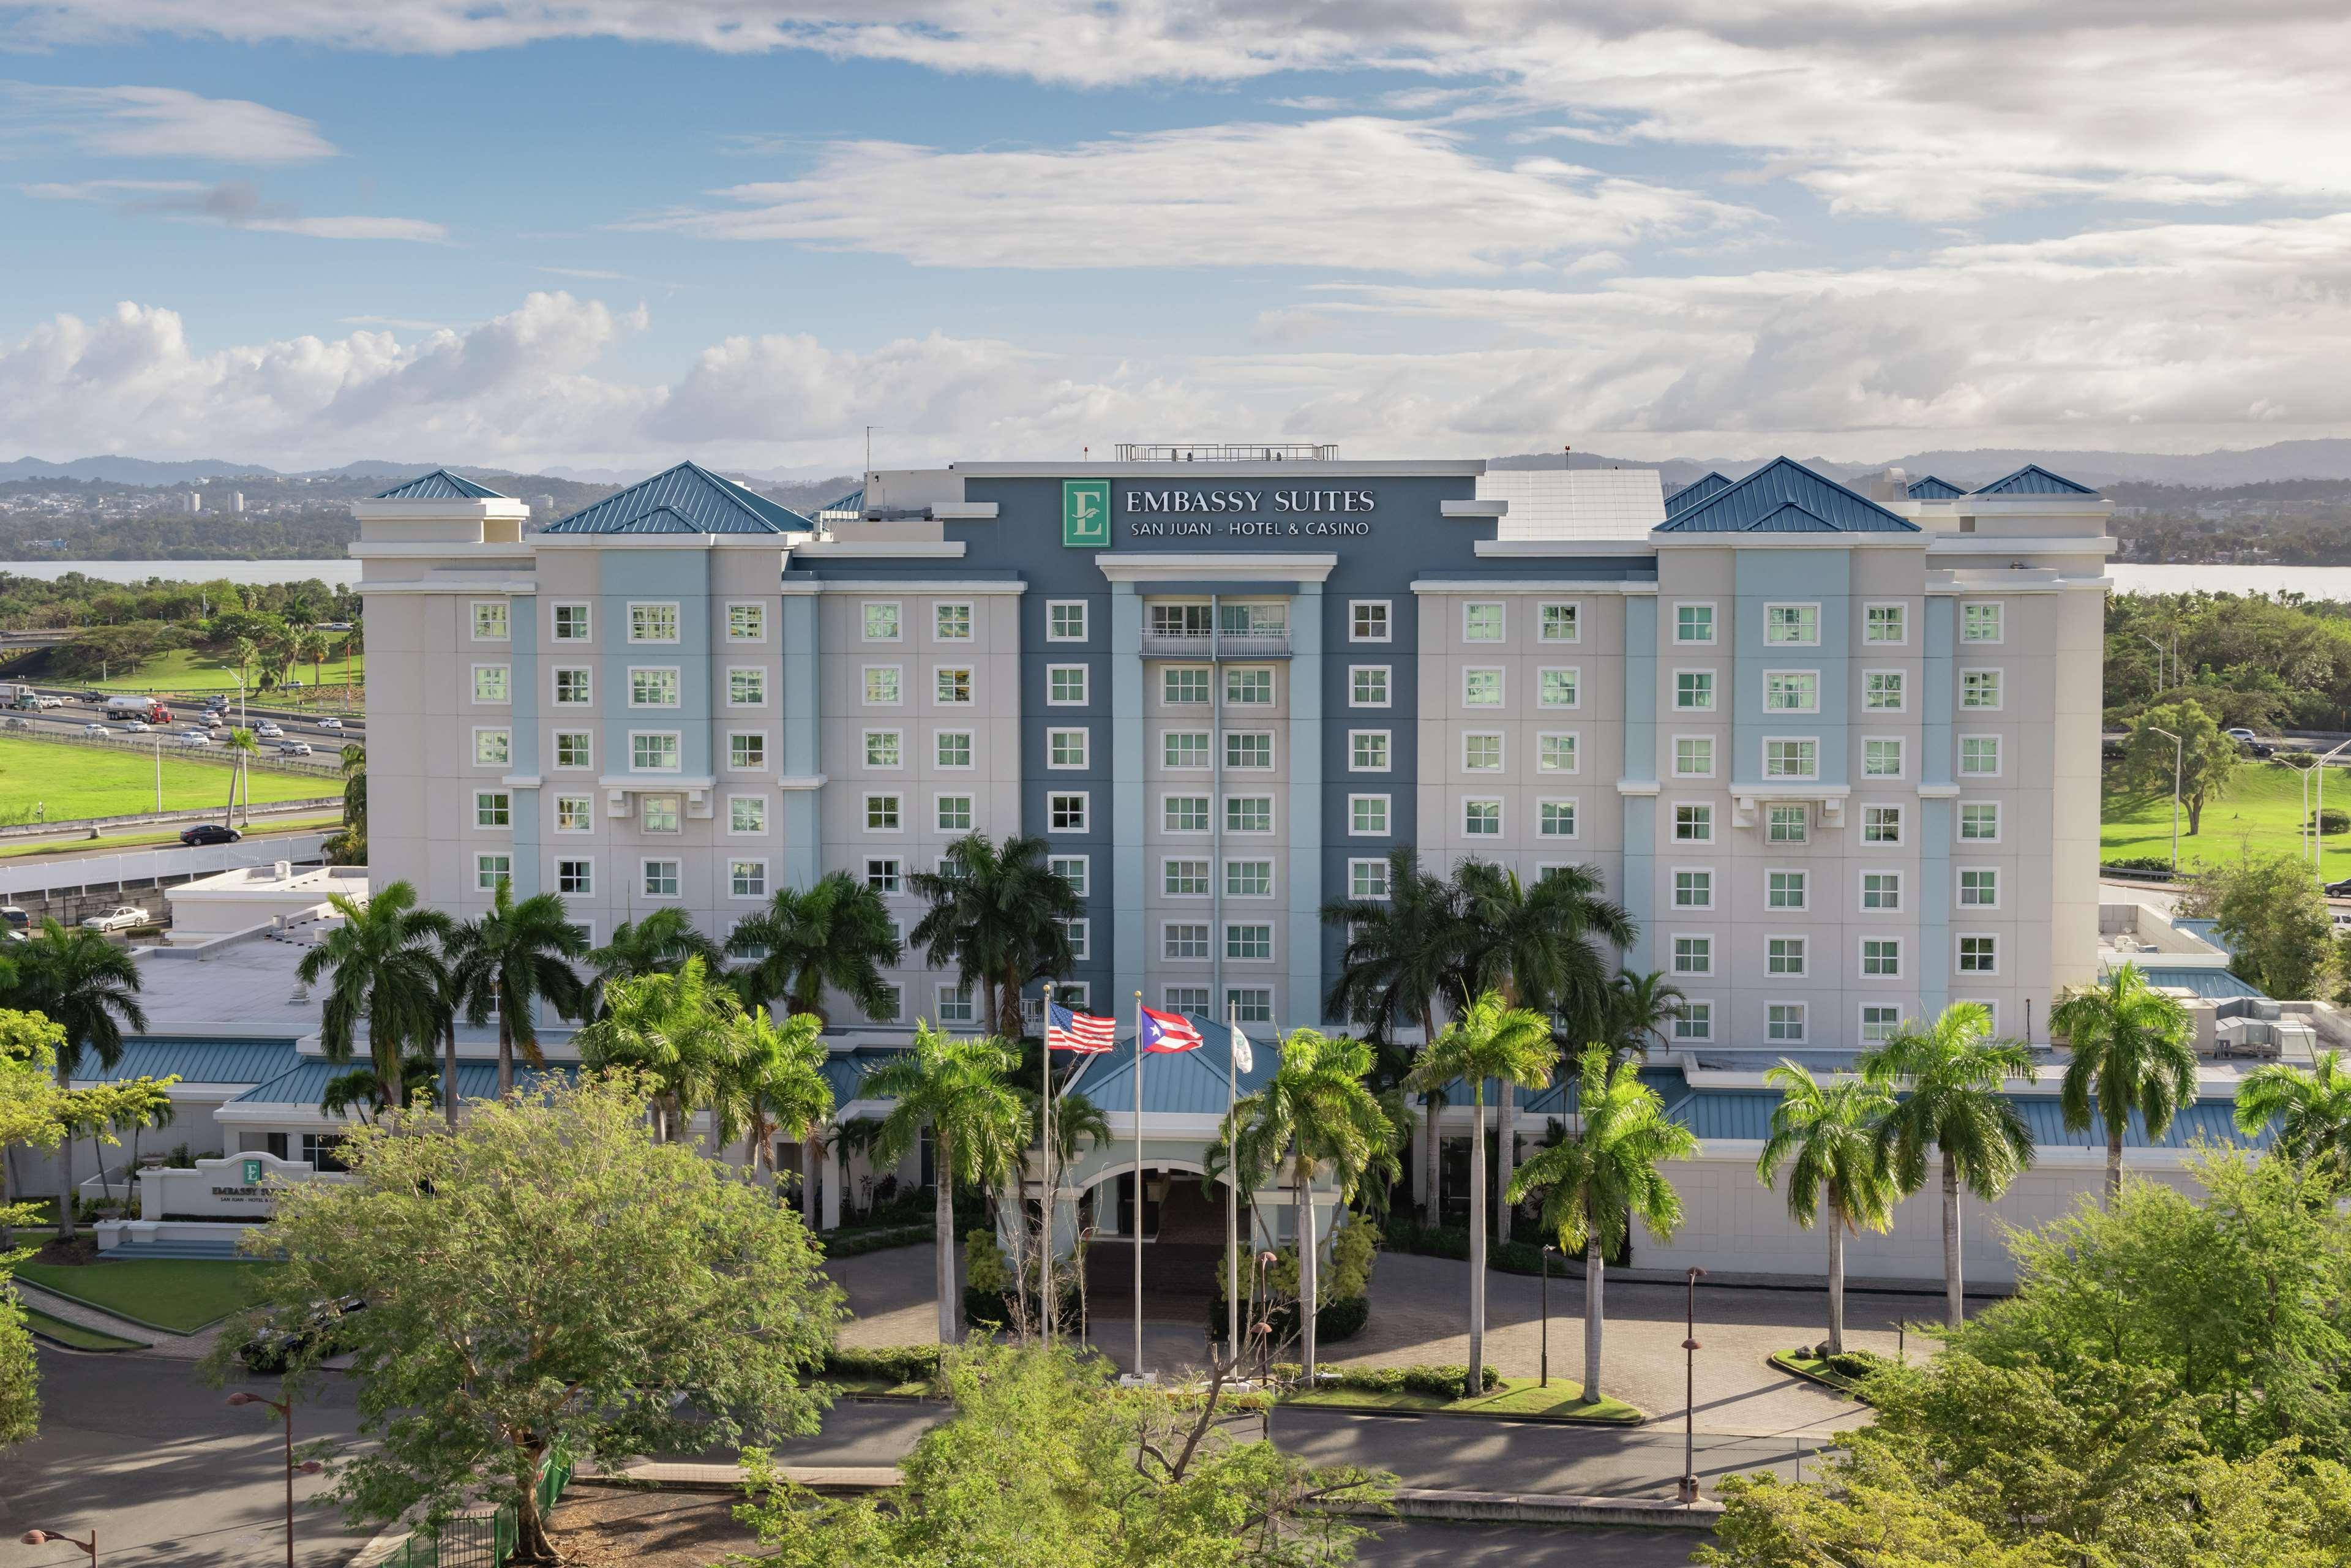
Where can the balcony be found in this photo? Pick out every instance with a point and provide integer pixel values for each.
(1200, 647)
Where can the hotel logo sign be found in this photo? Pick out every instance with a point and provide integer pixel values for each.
(1085, 514)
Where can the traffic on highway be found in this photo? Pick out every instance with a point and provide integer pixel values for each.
(194, 723)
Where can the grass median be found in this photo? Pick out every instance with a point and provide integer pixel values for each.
(1519, 1398)
(2260, 813)
(174, 1295)
(57, 1330)
(77, 781)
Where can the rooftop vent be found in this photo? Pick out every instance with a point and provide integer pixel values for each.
(1226, 452)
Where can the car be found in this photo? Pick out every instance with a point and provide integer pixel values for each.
(266, 731)
(97, 698)
(272, 1348)
(121, 917)
(217, 700)
(195, 738)
(96, 729)
(2240, 733)
(212, 721)
(2339, 889)
(292, 748)
(330, 723)
(209, 833)
(18, 922)
(137, 727)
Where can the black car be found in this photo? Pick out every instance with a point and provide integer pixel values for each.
(209, 833)
(271, 1349)
(2339, 889)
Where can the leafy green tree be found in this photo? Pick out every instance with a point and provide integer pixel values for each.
(361, 1088)
(546, 1275)
(2279, 930)
(384, 967)
(776, 1083)
(32, 1105)
(508, 961)
(241, 747)
(1949, 1079)
(1825, 1135)
(961, 1091)
(2207, 758)
(347, 844)
(659, 943)
(1641, 1010)
(837, 934)
(89, 986)
(2133, 1049)
(998, 915)
(2313, 1111)
(685, 1033)
(1597, 1181)
(1492, 1041)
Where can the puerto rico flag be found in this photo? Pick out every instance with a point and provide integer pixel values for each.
(1168, 1031)
(1067, 1030)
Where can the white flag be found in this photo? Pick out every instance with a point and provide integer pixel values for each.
(1242, 1059)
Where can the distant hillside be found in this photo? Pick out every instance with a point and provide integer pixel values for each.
(2284, 460)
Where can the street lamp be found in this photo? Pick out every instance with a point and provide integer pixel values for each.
(307, 1467)
(2179, 750)
(2151, 642)
(1547, 1252)
(2318, 817)
(1689, 1394)
(43, 1537)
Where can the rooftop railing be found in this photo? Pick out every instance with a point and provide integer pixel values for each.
(1226, 452)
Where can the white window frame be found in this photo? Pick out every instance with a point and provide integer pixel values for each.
(1574, 673)
(760, 735)
(1960, 940)
(1574, 805)
(1675, 755)
(481, 796)
(1272, 814)
(1273, 751)
(1863, 1025)
(588, 883)
(1713, 623)
(759, 861)
(677, 742)
(1387, 816)
(1501, 610)
(970, 620)
(1960, 756)
(1501, 816)
(1959, 823)
(761, 803)
(587, 804)
(1502, 687)
(474, 690)
(587, 610)
(1960, 875)
(1698, 1027)
(1998, 690)
(1861, 958)
(677, 621)
(865, 674)
(1713, 689)
(735, 670)
(1770, 675)
(865, 748)
(1999, 609)
(1900, 608)
(1054, 607)
(1673, 885)
(555, 748)
(1811, 604)
(1574, 738)
(1386, 609)
(970, 683)
(1207, 739)
(1812, 740)
(1207, 878)
(970, 750)
(938, 811)
(1386, 741)
(1233, 927)
(1208, 817)
(677, 676)
(865, 813)
(1085, 748)
(480, 730)
(1861, 903)
(885, 875)
(897, 607)
(554, 697)
(1084, 674)
(1673, 939)
(1501, 750)
(1901, 824)
(728, 610)
(677, 877)
(1356, 865)
(1803, 904)
(1902, 680)
(481, 858)
(1803, 821)
(1674, 821)
(1206, 931)
(1085, 810)
(1272, 683)
(1802, 1020)
(1355, 675)
(1901, 745)
(1208, 673)
(1083, 883)
(1804, 955)
(504, 607)
(1575, 607)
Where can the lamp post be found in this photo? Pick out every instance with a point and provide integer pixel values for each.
(1547, 1252)
(43, 1537)
(2179, 750)
(2151, 642)
(1688, 1490)
(2318, 816)
(285, 1409)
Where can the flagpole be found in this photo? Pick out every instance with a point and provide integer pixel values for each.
(1045, 1247)
(1138, 1184)
(1232, 1188)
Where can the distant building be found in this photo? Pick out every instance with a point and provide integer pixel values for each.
(236, 501)
(196, 501)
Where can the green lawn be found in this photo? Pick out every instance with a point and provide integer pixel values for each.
(2261, 811)
(74, 1334)
(178, 1295)
(111, 842)
(186, 670)
(74, 781)
(1516, 1396)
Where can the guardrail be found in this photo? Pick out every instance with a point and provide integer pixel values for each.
(318, 763)
(86, 826)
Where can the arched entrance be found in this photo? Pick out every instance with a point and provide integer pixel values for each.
(1183, 1227)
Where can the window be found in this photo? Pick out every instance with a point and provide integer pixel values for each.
(1367, 750)
(1179, 620)
(1367, 685)
(1482, 623)
(1555, 819)
(1694, 691)
(1065, 686)
(573, 814)
(1249, 1004)
(652, 751)
(1693, 954)
(954, 813)
(884, 748)
(1367, 621)
(1785, 889)
(1185, 748)
(1978, 955)
(659, 814)
(1184, 686)
(1881, 758)
(1560, 687)
(1080, 936)
(1065, 748)
(1693, 623)
(1066, 813)
(572, 623)
(1481, 753)
(746, 813)
(1186, 813)
(954, 1004)
(1065, 621)
(574, 688)
(1885, 623)
(884, 875)
(1694, 824)
(1792, 625)
(888, 1001)
(1186, 879)
(1249, 878)
(576, 877)
(952, 747)
(1183, 940)
(1185, 998)
(1980, 688)
(746, 687)
(1249, 944)
(1693, 890)
(1482, 818)
(951, 685)
(881, 813)
(1980, 623)
(1249, 688)
(880, 622)
(1367, 815)
(1791, 691)
(1980, 888)
(661, 879)
(1562, 623)
(746, 749)
(1694, 756)
(652, 688)
(490, 683)
(492, 748)
(1481, 688)
(574, 748)
(1792, 759)
(1248, 748)
(1787, 825)
(1367, 879)
(1693, 1021)
(491, 870)
(746, 879)
(1248, 813)
(1881, 824)
(951, 623)
(490, 620)
(1555, 754)
(652, 622)
(1882, 691)
(1881, 959)
(1980, 824)
(1979, 755)
(747, 623)
(882, 686)
(1783, 1022)
(1879, 1023)
(1881, 891)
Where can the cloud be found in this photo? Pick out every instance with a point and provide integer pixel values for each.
(160, 123)
(233, 203)
(1353, 193)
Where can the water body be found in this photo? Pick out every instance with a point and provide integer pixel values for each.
(2311, 582)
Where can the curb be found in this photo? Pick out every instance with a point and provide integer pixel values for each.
(1538, 1508)
(121, 1316)
(1779, 1359)
(1530, 1417)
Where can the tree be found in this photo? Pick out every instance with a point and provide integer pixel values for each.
(660, 943)
(1315, 1110)
(998, 914)
(1641, 1010)
(386, 972)
(241, 747)
(2207, 758)
(1598, 1180)
(544, 1276)
(89, 988)
(32, 1106)
(683, 1034)
(2279, 930)
(837, 934)
(312, 644)
(1826, 1137)
(507, 962)
(1492, 1041)
(347, 844)
(125, 1105)
(961, 1090)
(1949, 1079)
(2132, 1049)
(777, 1083)
(2313, 1111)
(363, 1088)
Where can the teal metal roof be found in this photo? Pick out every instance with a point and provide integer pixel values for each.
(2034, 480)
(852, 502)
(1179, 1082)
(441, 486)
(1932, 488)
(305, 1084)
(196, 1059)
(1746, 1114)
(1784, 496)
(686, 499)
(846, 1070)
(2216, 985)
(1705, 486)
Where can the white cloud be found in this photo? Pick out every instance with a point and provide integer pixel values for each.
(1355, 193)
(160, 123)
(234, 203)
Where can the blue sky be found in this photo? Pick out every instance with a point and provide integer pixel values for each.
(613, 232)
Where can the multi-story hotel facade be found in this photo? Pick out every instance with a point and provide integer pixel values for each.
(1836, 752)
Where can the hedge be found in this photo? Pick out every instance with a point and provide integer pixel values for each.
(885, 1363)
(1334, 1320)
(849, 1243)
(1438, 1381)
(1502, 1256)
(995, 1310)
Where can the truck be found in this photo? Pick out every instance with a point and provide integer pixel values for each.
(151, 709)
(23, 697)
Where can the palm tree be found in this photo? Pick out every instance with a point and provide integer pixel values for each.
(2313, 1111)
(313, 645)
(1949, 1076)
(997, 915)
(354, 643)
(684, 1032)
(660, 943)
(248, 653)
(1492, 1041)
(1315, 1110)
(1641, 1010)
(507, 963)
(2132, 1049)
(1828, 1137)
(962, 1090)
(348, 845)
(364, 1089)
(836, 934)
(778, 1085)
(386, 973)
(88, 986)
(1598, 1181)
(241, 747)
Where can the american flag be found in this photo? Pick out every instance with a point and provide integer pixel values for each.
(1066, 1030)
(1168, 1031)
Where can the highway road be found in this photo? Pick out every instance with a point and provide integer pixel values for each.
(72, 719)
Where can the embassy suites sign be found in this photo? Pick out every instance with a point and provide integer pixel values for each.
(1207, 512)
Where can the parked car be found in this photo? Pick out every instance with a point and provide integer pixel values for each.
(330, 723)
(292, 748)
(121, 917)
(209, 833)
(266, 731)
(2339, 889)
(18, 922)
(96, 729)
(270, 1349)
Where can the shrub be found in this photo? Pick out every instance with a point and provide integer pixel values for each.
(2140, 862)
(1857, 1364)
(985, 1271)
(2333, 822)
(849, 1243)
(1439, 1382)
(886, 1362)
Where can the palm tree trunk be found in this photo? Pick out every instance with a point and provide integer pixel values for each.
(943, 1215)
(1955, 1296)
(506, 1048)
(66, 1227)
(808, 1178)
(1474, 1384)
(1506, 1153)
(1836, 1277)
(1595, 1278)
(1310, 1293)
(1433, 1175)
(2113, 1168)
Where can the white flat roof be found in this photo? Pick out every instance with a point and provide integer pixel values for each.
(1576, 502)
